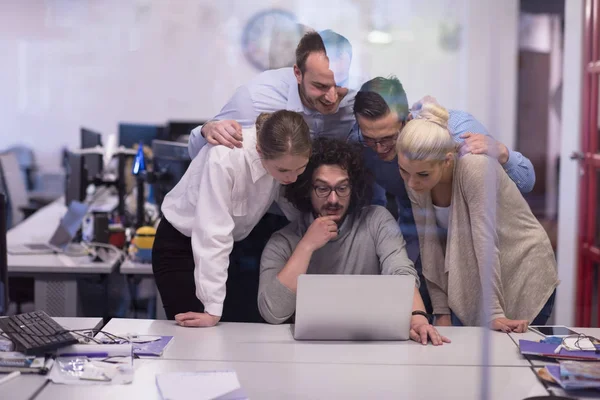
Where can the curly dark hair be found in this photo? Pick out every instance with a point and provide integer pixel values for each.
(348, 156)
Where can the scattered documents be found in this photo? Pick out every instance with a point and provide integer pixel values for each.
(571, 375)
(85, 364)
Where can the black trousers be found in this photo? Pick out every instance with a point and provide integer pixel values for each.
(173, 267)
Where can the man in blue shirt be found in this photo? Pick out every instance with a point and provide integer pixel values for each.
(381, 110)
(314, 87)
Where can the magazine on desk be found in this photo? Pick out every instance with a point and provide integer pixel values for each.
(143, 345)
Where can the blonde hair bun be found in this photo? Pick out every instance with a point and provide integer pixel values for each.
(435, 113)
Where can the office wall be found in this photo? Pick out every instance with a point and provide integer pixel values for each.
(95, 63)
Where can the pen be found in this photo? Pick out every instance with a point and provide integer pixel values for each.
(10, 376)
(90, 355)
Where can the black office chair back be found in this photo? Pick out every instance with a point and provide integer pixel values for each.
(3, 256)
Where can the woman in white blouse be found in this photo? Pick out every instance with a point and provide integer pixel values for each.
(222, 196)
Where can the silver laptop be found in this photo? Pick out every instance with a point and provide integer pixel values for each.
(63, 235)
(354, 307)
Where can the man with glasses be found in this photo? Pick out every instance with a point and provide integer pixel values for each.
(381, 111)
(337, 233)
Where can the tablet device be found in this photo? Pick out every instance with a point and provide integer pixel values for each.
(553, 330)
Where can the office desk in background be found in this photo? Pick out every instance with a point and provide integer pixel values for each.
(24, 386)
(55, 274)
(129, 267)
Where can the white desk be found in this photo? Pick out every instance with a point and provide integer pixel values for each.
(26, 385)
(55, 274)
(274, 343)
(323, 381)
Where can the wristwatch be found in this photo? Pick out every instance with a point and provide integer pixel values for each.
(423, 313)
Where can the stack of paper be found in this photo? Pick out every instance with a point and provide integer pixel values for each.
(222, 385)
(576, 374)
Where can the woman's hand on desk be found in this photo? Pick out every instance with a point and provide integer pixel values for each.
(421, 330)
(196, 320)
(510, 325)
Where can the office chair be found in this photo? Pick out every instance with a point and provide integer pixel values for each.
(21, 206)
(3, 257)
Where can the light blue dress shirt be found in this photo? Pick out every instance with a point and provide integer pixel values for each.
(518, 167)
(276, 90)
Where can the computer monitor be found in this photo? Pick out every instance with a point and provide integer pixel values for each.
(76, 179)
(132, 134)
(93, 162)
(3, 256)
(177, 129)
(170, 161)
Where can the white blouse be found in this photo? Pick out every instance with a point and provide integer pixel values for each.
(219, 200)
(442, 216)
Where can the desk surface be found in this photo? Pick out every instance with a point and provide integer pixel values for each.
(25, 385)
(328, 381)
(274, 343)
(38, 229)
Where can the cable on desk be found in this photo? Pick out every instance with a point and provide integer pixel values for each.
(92, 245)
(114, 338)
(39, 390)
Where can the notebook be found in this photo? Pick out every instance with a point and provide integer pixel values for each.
(154, 348)
(206, 385)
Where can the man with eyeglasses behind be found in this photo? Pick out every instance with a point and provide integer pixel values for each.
(337, 233)
(381, 111)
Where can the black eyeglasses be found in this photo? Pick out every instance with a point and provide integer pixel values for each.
(324, 191)
(387, 142)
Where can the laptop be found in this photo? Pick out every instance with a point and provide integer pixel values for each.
(354, 307)
(63, 235)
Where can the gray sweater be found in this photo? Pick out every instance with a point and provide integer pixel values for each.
(369, 243)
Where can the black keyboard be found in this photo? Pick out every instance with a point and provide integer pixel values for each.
(35, 333)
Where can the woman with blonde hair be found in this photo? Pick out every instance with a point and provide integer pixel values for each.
(219, 200)
(474, 228)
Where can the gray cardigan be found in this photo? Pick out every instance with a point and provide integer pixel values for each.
(491, 225)
(369, 243)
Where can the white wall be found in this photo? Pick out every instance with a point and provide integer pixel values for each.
(97, 62)
(568, 201)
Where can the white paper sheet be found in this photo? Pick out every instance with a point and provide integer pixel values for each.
(207, 385)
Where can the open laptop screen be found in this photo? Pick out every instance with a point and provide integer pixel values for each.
(69, 224)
